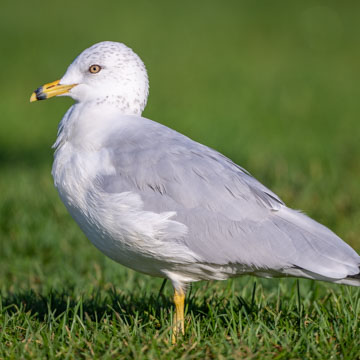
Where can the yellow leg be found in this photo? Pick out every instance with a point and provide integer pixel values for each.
(178, 325)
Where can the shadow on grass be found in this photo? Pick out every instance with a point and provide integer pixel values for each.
(108, 303)
(95, 305)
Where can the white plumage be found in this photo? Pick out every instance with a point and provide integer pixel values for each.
(160, 203)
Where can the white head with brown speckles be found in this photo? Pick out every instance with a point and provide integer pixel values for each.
(109, 73)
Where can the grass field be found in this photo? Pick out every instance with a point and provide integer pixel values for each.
(273, 85)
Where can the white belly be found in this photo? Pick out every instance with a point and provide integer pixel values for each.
(116, 223)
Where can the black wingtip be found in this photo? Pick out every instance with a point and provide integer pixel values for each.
(356, 276)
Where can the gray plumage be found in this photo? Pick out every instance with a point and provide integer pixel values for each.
(232, 218)
(158, 202)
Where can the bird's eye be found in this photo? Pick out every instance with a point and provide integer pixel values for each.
(94, 69)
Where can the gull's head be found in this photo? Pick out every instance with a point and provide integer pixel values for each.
(105, 73)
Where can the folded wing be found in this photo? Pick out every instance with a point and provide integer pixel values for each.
(231, 217)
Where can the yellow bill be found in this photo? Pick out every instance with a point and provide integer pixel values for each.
(49, 90)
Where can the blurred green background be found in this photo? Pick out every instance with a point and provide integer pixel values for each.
(274, 85)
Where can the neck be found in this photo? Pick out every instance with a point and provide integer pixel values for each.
(85, 124)
(124, 105)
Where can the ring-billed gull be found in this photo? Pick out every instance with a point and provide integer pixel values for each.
(162, 204)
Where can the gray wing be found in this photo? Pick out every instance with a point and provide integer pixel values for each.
(231, 217)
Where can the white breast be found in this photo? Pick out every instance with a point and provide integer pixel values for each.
(115, 223)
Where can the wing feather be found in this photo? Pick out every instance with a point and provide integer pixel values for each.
(231, 217)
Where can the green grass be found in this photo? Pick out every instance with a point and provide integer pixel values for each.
(273, 85)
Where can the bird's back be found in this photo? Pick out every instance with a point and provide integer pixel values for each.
(232, 221)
